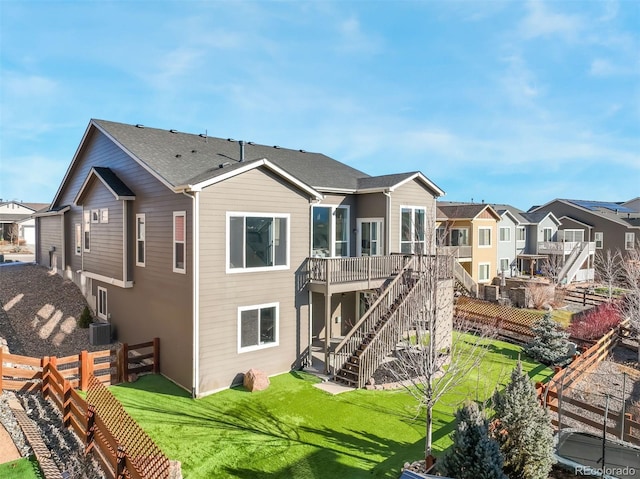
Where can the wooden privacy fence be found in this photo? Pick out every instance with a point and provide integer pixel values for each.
(552, 394)
(118, 443)
(111, 366)
(509, 322)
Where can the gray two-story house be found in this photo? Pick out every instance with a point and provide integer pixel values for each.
(236, 255)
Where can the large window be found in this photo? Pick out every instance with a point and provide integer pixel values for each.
(101, 306)
(78, 238)
(629, 240)
(179, 241)
(412, 229)
(87, 230)
(460, 237)
(547, 234)
(484, 237)
(599, 238)
(483, 272)
(140, 239)
(257, 327)
(505, 233)
(521, 233)
(257, 241)
(330, 230)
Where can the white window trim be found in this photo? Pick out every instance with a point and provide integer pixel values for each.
(488, 265)
(144, 241)
(104, 215)
(413, 209)
(504, 228)
(632, 235)
(359, 222)
(544, 234)
(173, 242)
(283, 267)
(86, 230)
(102, 315)
(95, 216)
(78, 238)
(480, 228)
(332, 247)
(599, 234)
(500, 264)
(524, 231)
(258, 346)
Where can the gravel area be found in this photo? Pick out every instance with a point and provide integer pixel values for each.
(39, 311)
(38, 314)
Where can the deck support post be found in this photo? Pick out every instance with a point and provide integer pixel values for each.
(327, 328)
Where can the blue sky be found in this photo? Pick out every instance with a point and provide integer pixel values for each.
(511, 102)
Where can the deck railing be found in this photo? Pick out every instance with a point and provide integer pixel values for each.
(361, 268)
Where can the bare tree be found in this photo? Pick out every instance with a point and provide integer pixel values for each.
(608, 266)
(432, 358)
(551, 267)
(630, 305)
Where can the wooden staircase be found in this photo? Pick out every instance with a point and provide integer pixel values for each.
(360, 353)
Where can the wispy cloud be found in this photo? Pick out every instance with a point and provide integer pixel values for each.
(541, 21)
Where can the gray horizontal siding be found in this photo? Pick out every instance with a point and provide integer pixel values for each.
(221, 294)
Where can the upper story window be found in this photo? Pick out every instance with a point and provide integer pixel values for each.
(573, 235)
(87, 230)
(547, 234)
(599, 239)
(179, 241)
(505, 233)
(412, 229)
(140, 239)
(629, 240)
(484, 237)
(460, 237)
(330, 231)
(257, 241)
(521, 234)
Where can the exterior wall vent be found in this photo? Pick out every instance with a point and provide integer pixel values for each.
(99, 334)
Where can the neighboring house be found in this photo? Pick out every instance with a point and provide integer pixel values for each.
(521, 240)
(235, 255)
(603, 225)
(17, 222)
(469, 231)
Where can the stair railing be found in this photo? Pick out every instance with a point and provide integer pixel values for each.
(371, 317)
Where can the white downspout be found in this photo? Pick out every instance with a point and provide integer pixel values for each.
(195, 197)
(125, 248)
(388, 223)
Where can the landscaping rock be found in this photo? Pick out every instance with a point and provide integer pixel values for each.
(255, 380)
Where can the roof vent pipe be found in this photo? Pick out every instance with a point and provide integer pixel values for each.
(241, 150)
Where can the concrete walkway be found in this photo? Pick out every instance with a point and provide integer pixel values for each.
(333, 388)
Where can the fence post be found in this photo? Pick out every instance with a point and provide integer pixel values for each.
(84, 370)
(125, 362)
(156, 355)
(66, 404)
(1, 360)
(120, 463)
(91, 425)
(44, 363)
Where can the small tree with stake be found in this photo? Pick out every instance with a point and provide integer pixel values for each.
(474, 453)
(523, 429)
(550, 345)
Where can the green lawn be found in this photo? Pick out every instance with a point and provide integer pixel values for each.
(25, 468)
(296, 430)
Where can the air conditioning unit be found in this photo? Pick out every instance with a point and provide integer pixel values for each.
(99, 334)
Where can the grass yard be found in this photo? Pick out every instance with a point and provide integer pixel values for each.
(293, 429)
(25, 468)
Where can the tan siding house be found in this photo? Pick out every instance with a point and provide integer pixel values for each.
(235, 255)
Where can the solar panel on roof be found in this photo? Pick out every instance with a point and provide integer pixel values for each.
(594, 205)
